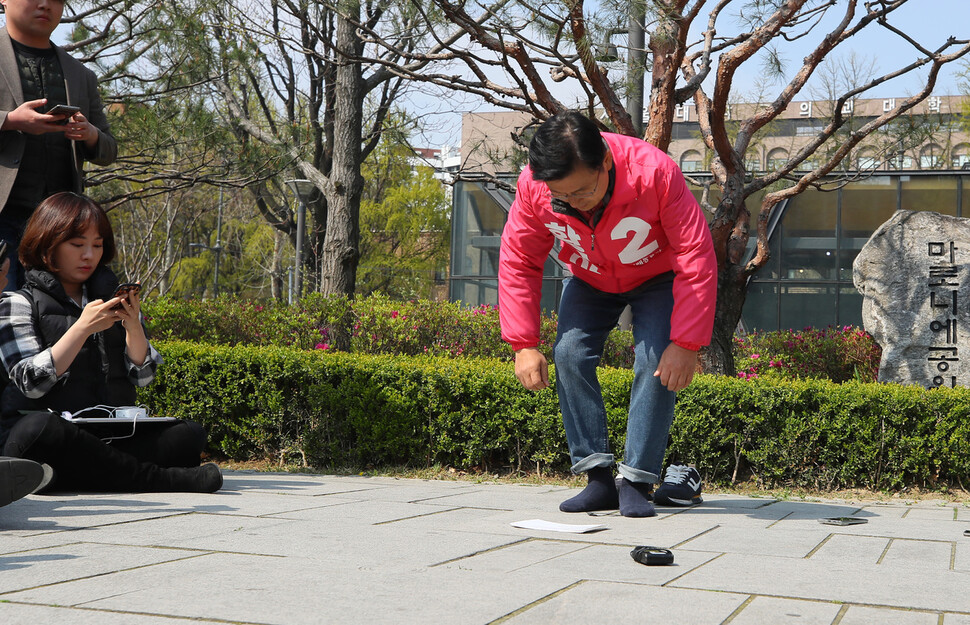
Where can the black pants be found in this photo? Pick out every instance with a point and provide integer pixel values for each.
(82, 461)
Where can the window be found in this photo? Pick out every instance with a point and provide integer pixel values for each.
(808, 130)
(901, 160)
(777, 159)
(691, 161)
(960, 156)
(808, 231)
(936, 193)
(931, 157)
(867, 160)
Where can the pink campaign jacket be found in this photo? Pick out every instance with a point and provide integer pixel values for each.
(651, 225)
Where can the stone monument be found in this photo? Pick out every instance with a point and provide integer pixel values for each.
(914, 276)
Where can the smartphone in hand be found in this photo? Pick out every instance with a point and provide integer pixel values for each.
(125, 288)
(63, 109)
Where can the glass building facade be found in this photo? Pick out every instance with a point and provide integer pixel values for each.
(479, 211)
(813, 239)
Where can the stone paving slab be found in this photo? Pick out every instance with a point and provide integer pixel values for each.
(733, 539)
(845, 548)
(43, 514)
(849, 581)
(924, 554)
(961, 559)
(913, 529)
(56, 565)
(605, 602)
(864, 615)
(295, 591)
(291, 549)
(26, 614)
(597, 562)
(786, 612)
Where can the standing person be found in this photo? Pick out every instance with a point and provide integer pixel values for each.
(68, 344)
(42, 154)
(631, 234)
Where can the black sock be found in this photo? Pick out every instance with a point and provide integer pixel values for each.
(635, 499)
(599, 494)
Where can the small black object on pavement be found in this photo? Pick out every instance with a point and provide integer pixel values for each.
(652, 556)
(843, 520)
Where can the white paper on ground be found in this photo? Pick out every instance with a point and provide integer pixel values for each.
(539, 524)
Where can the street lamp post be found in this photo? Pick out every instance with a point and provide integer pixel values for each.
(636, 40)
(302, 188)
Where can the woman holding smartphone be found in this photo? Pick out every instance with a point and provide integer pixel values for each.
(67, 343)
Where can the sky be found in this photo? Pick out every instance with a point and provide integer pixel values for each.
(929, 22)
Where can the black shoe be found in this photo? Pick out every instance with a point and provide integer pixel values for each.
(204, 479)
(681, 487)
(20, 477)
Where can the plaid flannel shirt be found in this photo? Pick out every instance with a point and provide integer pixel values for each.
(30, 366)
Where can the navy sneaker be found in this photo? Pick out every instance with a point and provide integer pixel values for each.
(20, 477)
(681, 487)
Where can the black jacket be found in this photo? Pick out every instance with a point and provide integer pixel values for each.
(99, 373)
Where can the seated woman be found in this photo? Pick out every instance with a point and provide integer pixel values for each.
(67, 344)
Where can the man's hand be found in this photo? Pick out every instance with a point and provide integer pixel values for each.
(676, 368)
(26, 118)
(532, 369)
(80, 129)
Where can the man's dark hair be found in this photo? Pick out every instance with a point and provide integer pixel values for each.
(561, 143)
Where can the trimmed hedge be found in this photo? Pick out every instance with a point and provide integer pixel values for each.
(338, 409)
(375, 324)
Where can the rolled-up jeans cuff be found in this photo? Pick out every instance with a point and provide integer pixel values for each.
(637, 475)
(592, 461)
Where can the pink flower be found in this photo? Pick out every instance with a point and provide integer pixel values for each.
(395, 314)
(323, 346)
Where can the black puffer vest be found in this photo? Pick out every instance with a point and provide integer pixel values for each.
(99, 373)
(47, 163)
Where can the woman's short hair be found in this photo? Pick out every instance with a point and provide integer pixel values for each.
(561, 143)
(59, 218)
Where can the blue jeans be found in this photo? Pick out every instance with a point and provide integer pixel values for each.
(586, 316)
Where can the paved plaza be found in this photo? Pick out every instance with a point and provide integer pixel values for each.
(281, 548)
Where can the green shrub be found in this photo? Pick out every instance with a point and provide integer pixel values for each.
(371, 325)
(380, 325)
(339, 409)
(818, 434)
(837, 354)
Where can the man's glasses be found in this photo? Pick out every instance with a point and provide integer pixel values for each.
(578, 195)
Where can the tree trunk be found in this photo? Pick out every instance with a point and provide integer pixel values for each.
(664, 72)
(276, 267)
(718, 358)
(341, 248)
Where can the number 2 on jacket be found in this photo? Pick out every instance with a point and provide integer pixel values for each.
(635, 250)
